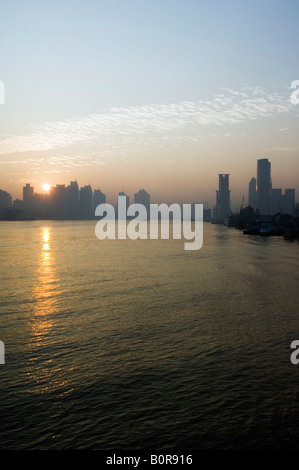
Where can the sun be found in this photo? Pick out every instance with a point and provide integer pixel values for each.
(46, 187)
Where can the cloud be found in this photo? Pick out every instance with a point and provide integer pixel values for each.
(121, 129)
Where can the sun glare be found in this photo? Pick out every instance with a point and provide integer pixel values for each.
(46, 187)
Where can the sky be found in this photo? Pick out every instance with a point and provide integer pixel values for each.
(154, 94)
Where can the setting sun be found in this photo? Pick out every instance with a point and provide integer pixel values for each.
(46, 187)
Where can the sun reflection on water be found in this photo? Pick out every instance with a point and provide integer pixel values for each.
(47, 288)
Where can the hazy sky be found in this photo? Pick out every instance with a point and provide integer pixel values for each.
(154, 94)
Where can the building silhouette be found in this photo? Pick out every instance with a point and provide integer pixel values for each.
(142, 197)
(276, 201)
(264, 186)
(58, 201)
(121, 193)
(222, 198)
(5, 200)
(28, 198)
(98, 198)
(85, 202)
(72, 203)
(288, 202)
(252, 193)
(72, 196)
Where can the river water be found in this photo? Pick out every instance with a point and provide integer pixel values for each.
(138, 345)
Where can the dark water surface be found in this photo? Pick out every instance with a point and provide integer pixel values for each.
(122, 344)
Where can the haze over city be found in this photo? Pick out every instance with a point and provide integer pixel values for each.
(149, 227)
(161, 95)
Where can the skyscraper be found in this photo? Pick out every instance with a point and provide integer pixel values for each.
(142, 197)
(5, 200)
(85, 196)
(58, 197)
(28, 198)
(289, 201)
(98, 198)
(123, 194)
(276, 200)
(252, 193)
(223, 198)
(73, 200)
(264, 186)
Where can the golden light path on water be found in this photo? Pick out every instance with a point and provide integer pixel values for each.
(45, 292)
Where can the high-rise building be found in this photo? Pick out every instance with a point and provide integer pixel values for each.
(276, 201)
(252, 193)
(58, 198)
(98, 198)
(288, 202)
(28, 198)
(72, 200)
(223, 198)
(5, 200)
(142, 197)
(127, 203)
(264, 186)
(86, 202)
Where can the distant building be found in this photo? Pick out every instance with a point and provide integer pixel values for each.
(28, 199)
(98, 198)
(41, 206)
(264, 186)
(276, 201)
(142, 197)
(85, 197)
(72, 196)
(252, 193)
(58, 201)
(28, 192)
(222, 199)
(5, 200)
(127, 201)
(288, 202)
(18, 204)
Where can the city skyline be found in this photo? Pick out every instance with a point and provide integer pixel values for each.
(163, 93)
(149, 226)
(71, 202)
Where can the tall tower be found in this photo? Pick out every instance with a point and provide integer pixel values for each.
(223, 197)
(118, 212)
(28, 198)
(85, 202)
(73, 200)
(252, 193)
(98, 198)
(264, 186)
(142, 197)
(289, 201)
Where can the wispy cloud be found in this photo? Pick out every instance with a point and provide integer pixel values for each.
(124, 128)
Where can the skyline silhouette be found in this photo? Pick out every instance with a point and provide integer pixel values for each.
(149, 226)
(72, 202)
(166, 109)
